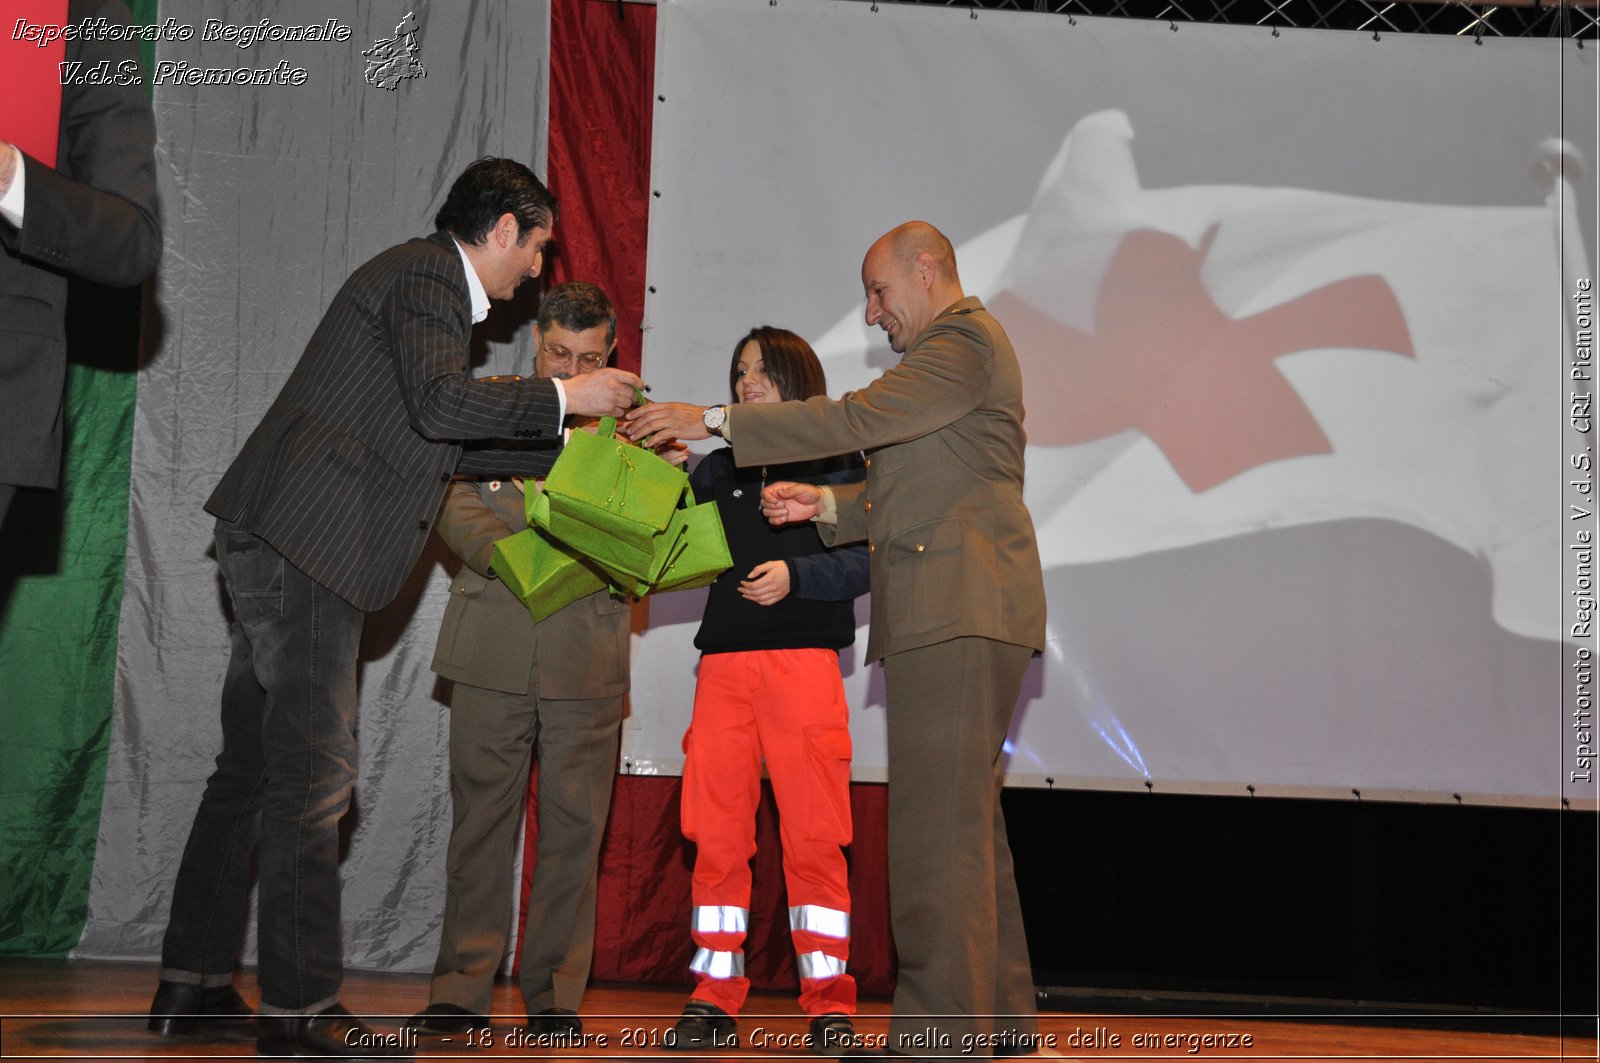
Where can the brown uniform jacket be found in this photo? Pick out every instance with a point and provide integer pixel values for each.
(487, 639)
(952, 545)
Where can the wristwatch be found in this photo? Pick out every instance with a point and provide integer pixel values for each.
(713, 418)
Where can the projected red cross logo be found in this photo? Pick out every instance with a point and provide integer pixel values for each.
(1165, 360)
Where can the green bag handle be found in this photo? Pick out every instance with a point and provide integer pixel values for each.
(608, 430)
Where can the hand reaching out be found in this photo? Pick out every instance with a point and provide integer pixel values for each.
(674, 420)
(602, 393)
(671, 451)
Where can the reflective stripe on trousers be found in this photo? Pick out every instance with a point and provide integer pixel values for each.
(824, 922)
(819, 965)
(721, 919)
(718, 964)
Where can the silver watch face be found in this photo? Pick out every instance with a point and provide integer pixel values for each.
(713, 417)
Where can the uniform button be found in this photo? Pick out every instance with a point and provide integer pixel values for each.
(920, 548)
(869, 463)
(872, 548)
(422, 525)
(869, 507)
(444, 477)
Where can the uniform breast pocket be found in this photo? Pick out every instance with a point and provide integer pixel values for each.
(925, 575)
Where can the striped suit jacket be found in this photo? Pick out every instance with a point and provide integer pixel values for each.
(344, 474)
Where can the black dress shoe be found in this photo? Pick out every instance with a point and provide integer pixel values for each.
(703, 1025)
(184, 1010)
(555, 1022)
(331, 1032)
(832, 1034)
(446, 1018)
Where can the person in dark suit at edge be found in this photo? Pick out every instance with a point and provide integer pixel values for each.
(958, 609)
(319, 520)
(93, 216)
(558, 684)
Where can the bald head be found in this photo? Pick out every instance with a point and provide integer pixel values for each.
(909, 276)
(914, 239)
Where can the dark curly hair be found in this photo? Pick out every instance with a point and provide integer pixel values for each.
(488, 189)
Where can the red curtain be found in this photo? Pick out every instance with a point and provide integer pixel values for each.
(602, 72)
(602, 81)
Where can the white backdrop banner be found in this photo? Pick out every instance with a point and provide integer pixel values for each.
(1295, 352)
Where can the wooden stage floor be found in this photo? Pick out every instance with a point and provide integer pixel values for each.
(65, 1009)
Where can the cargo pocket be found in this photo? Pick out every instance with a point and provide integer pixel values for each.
(828, 757)
(253, 572)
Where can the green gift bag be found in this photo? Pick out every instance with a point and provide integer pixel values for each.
(543, 573)
(701, 552)
(610, 501)
(611, 545)
(689, 553)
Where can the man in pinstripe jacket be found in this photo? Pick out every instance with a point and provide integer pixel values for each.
(320, 519)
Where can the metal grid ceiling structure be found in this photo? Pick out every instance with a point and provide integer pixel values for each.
(1519, 18)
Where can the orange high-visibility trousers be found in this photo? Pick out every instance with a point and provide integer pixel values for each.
(786, 707)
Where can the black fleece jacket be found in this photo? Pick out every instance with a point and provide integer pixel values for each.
(822, 583)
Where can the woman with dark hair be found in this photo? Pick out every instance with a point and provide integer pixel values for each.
(769, 689)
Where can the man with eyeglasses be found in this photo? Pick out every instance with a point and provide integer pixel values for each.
(558, 684)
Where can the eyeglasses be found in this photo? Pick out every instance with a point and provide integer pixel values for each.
(587, 362)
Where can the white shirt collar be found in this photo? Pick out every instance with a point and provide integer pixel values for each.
(479, 297)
